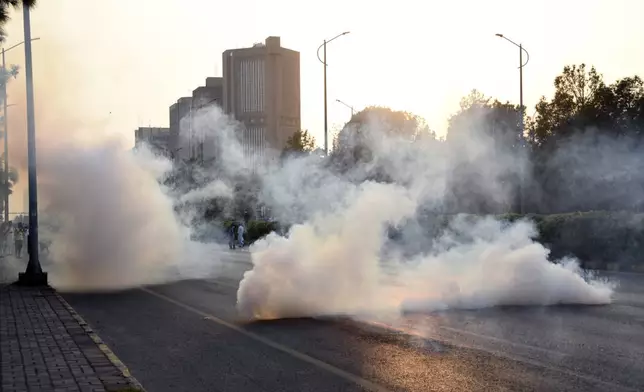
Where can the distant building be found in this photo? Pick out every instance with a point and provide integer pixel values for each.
(262, 91)
(180, 129)
(157, 138)
(201, 147)
(186, 141)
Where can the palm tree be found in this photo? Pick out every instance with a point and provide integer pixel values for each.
(6, 187)
(5, 6)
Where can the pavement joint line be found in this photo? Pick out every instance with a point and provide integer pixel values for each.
(369, 385)
(613, 386)
(101, 345)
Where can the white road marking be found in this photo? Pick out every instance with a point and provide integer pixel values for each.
(284, 349)
(375, 387)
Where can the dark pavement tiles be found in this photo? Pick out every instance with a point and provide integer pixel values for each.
(46, 346)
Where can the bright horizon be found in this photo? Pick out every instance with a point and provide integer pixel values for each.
(111, 69)
(134, 62)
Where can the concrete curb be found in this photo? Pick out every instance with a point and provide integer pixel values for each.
(134, 383)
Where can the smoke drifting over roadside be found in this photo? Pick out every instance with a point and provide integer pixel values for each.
(341, 259)
(108, 220)
(113, 225)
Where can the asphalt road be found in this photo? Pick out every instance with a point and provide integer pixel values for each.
(185, 336)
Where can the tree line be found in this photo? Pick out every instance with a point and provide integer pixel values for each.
(581, 150)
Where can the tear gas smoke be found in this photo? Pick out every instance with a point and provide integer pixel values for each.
(339, 258)
(114, 225)
(333, 265)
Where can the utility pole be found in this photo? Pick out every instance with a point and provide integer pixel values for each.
(326, 129)
(523, 141)
(6, 138)
(522, 113)
(6, 75)
(33, 275)
(323, 61)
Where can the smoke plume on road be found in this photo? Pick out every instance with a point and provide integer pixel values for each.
(351, 249)
(107, 219)
(340, 257)
(113, 219)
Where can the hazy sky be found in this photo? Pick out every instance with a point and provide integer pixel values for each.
(135, 60)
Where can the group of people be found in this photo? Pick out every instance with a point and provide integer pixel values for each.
(12, 238)
(236, 233)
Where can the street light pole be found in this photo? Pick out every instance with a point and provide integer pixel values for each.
(326, 126)
(6, 139)
(323, 61)
(522, 112)
(33, 275)
(5, 125)
(347, 105)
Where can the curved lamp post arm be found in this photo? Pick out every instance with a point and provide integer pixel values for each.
(326, 42)
(347, 105)
(518, 46)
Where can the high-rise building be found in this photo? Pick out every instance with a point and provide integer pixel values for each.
(210, 94)
(157, 138)
(180, 127)
(187, 141)
(203, 145)
(262, 91)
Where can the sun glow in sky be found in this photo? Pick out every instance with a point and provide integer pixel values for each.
(119, 65)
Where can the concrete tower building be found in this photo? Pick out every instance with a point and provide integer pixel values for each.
(262, 91)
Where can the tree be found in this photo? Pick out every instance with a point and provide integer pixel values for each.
(378, 121)
(484, 142)
(6, 5)
(300, 141)
(7, 182)
(390, 122)
(574, 105)
(480, 116)
(587, 141)
(375, 128)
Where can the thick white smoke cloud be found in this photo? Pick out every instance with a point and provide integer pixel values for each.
(111, 222)
(495, 264)
(334, 265)
(339, 259)
(330, 264)
(114, 225)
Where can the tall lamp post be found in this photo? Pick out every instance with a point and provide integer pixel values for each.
(33, 275)
(323, 61)
(5, 121)
(347, 105)
(522, 108)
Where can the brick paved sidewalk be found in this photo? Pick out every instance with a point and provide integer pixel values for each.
(45, 346)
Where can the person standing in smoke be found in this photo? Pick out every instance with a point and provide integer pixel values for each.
(4, 237)
(18, 236)
(231, 236)
(240, 235)
(7, 238)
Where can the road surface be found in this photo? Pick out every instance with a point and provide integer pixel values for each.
(186, 336)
